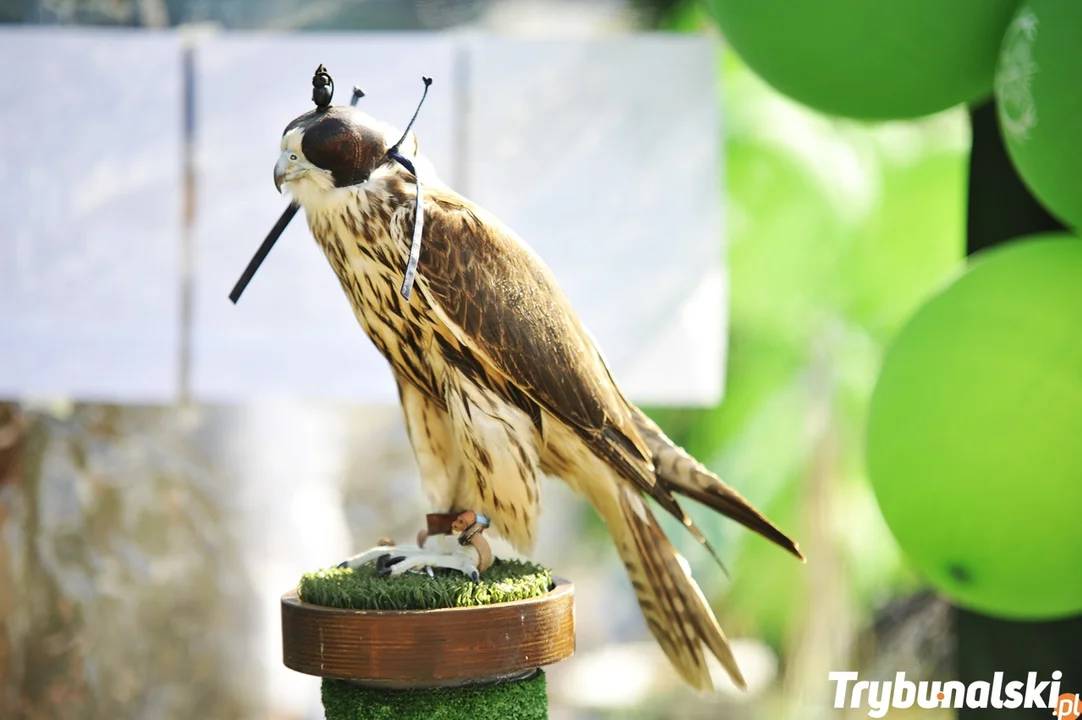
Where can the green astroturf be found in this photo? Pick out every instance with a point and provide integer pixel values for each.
(520, 700)
(505, 581)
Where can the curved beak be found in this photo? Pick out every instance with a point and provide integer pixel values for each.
(286, 170)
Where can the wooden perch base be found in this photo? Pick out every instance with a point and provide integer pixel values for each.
(409, 649)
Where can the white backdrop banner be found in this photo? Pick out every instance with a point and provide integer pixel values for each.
(604, 155)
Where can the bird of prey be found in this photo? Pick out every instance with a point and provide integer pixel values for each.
(499, 381)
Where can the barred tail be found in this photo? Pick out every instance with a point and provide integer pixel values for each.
(675, 610)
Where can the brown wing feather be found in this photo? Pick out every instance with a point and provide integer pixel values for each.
(504, 304)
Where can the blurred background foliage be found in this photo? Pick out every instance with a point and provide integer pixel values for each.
(836, 231)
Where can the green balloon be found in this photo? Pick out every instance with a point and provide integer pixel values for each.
(1039, 100)
(870, 59)
(974, 442)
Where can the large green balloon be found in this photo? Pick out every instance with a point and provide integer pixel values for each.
(1039, 98)
(870, 59)
(975, 433)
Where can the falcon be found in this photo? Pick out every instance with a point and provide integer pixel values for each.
(500, 383)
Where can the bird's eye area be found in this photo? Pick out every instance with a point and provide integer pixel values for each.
(293, 157)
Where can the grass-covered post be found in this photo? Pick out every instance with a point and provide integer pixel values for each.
(417, 646)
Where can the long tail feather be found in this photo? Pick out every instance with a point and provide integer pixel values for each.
(674, 608)
(680, 473)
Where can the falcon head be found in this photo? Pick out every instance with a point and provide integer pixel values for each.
(325, 150)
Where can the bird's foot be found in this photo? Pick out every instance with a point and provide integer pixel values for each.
(441, 551)
(397, 560)
(467, 552)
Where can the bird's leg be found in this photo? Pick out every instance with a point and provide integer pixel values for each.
(468, 524)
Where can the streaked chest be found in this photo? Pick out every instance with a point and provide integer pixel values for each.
(368, 255)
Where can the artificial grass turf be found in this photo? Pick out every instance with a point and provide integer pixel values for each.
(518, 700)
(363, 589)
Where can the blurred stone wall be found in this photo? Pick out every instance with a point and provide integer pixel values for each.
(119, 595)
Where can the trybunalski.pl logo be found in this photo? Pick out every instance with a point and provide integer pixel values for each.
(880, 696)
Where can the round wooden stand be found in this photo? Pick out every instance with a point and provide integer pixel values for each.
(411, 649)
